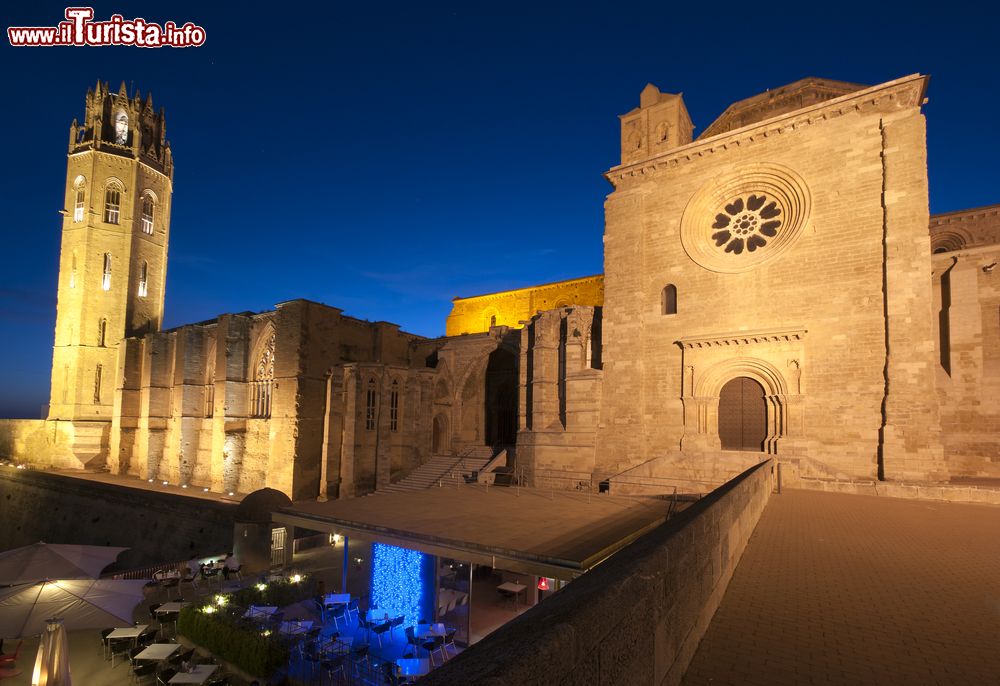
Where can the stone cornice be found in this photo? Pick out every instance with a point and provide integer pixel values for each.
(719, 340)
(908, 90)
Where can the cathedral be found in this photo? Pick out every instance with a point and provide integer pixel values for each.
(775, 286)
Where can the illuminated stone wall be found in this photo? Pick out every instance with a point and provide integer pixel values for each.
(967, 327)
(776, 237)
(510, 308)
(190, 407)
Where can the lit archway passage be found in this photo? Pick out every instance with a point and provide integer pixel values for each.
(742, 415)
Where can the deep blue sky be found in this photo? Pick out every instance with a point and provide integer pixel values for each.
(386, 160)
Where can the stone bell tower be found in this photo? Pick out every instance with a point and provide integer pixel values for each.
(660, 123)
(113, 257)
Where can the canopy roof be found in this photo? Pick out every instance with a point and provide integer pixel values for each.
(554, 534)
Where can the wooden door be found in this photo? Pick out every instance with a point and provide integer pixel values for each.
(742, 415)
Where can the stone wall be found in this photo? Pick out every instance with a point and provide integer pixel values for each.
(157, 527)
(635, 619)
(509, 308)
(845, 370)
(967, 327)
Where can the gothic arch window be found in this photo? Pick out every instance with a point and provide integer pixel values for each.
(493, 320)
(102, 333)
(263, 379)
(394, 407)
(121, 127)
(669, 299)
(112, 203)
(79, 193)
(148, 207)
(106, 276)
(370, 397)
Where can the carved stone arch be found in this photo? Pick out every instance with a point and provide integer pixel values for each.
(948, 241)
(261, 372)
(262, 354)
(711, 381)
(113, 182)
(702, 410)
(152, 195)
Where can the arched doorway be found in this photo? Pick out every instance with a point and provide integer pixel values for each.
(742, 415)
(501, 398)
(439, 437)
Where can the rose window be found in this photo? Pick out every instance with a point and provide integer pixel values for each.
(746, 224)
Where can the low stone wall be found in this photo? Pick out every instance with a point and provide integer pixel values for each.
(37, 442)
(955, 493)
(635, 619)
(157, 527)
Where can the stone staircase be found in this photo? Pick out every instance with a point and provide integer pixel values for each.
(440, 468)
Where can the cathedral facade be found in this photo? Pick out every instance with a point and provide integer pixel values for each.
(775, 286)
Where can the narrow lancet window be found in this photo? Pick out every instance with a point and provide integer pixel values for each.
(147, 215)
(670, 299)
(394, 407)
(370, 406)
(106, 278)
(143, 279)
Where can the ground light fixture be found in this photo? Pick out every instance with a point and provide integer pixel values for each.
(543, 583)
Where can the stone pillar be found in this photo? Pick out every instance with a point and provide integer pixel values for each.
(347, 486)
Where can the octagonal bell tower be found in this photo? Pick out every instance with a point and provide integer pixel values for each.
(113, 257)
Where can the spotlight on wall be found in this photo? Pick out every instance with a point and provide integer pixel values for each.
(150, 481)
(166, 483)
(205, 490)
(231, 493)
(184, 485)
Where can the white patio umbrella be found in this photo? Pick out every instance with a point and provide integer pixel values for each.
(41, 561)
(80, 603)
(52, 661)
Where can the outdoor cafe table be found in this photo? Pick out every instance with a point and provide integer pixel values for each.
(431, 631)
(128, 632)
(198, 675)
(377, 616)
(336, 599)
(512, 589)
(413, 666)
(158, 651)
(297, 626)
(174, 606)
(258, 612)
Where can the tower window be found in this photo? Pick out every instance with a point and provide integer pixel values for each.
(112, 205)
(106, 278)
(102, 333)
(97, 384)
(370, 406)
(78, 202)
(669, 299)
(72, 271)
(147, 215)
(394, 407)
(263, 380)
(143, 273)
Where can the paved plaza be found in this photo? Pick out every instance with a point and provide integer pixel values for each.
(849, 589)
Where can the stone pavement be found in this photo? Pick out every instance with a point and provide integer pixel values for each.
(852, 589)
